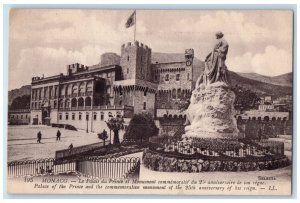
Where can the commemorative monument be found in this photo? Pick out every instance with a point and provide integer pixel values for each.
(211, 106)
(211, 141)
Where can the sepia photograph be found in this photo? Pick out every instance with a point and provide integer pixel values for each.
(154, 102)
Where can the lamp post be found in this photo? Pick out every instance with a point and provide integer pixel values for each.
(87, 123)
(110, 136)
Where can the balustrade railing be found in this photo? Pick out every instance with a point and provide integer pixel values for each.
(114, 168)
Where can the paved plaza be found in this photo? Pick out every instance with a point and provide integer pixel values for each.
(22, 141)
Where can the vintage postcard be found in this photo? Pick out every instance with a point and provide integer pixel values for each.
(171, 102)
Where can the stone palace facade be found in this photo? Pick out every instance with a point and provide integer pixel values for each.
(87, 96)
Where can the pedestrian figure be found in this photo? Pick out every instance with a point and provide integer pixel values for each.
(42, 170)
(58, 135)
(70, 148)
(39, 137)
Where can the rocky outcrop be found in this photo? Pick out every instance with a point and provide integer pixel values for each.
(211, 112)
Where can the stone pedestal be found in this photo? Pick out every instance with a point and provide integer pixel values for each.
(211, 112)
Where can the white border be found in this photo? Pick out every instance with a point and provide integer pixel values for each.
(110, 2)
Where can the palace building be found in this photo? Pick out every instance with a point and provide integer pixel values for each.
(87, 96)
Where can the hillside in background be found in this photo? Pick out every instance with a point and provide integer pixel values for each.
(261, 88)
(12, 94)
(283, 80)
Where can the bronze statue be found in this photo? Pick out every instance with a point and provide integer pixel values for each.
(215, 68)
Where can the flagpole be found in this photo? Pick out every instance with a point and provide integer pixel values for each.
(134, 26)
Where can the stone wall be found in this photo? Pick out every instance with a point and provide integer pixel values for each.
(174, 83)
(256, 129)
(160, 72)
(35, 114)
(171, 127)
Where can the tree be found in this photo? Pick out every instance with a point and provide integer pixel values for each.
(141, 127)
(245, 99)
(103, 136)
(115, 124)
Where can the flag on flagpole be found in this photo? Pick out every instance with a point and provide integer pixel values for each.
(130, 21)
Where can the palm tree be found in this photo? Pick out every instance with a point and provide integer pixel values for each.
(115, 124)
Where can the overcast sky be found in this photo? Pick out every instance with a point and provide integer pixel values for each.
(45, 41)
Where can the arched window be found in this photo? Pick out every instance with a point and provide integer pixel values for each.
(179, 93)
(174, 93)
(80, 102)
(167, 77)
(74, 102)
(144, 106)
(177, 77)
(88, 101)
(120, 103)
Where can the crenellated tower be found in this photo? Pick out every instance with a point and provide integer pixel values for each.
(136, 61)
(136, 88)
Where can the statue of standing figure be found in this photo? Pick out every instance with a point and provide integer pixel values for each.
(215, 68)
